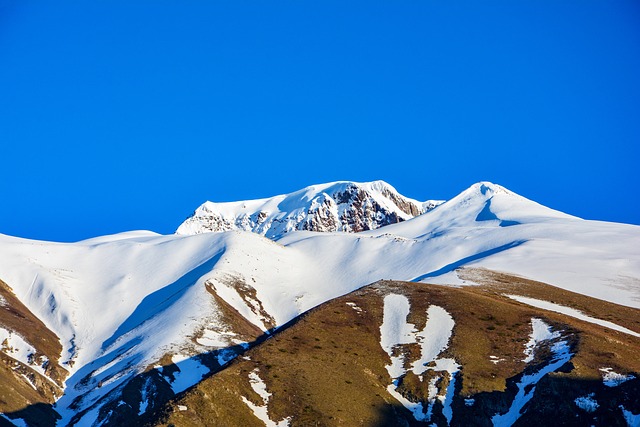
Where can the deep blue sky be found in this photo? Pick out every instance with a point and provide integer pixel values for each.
(121, 115)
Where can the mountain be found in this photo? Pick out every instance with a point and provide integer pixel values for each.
(397, 354)
(130, 322)
(337, 206)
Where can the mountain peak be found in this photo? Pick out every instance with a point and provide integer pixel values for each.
(485, 201)
(487, 188)
(345, 206)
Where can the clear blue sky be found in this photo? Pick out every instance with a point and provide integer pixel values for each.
(121, 115)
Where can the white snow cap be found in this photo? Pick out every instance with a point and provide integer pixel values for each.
(336, 206)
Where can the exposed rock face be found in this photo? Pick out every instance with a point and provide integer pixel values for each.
(341, 206)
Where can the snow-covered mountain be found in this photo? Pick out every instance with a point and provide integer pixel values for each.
(141, 316)
(396, 354)
(336, 206)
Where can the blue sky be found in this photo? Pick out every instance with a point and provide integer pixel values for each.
(127, 115)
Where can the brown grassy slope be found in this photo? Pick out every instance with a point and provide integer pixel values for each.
(599, 346)
(309, 368)
(328, 367)
(229, 316)
(496, 283)
(15, 391)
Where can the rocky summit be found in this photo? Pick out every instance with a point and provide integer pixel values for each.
(339, 206)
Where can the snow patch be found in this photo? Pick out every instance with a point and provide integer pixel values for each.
(215, 339)
(633, 420)
(261, 411)
(416, 408)
(28, 380)
(226, 355)
(587, 403)
(495, 362)
(614, 379)
(495, 359)
(396, 331)
(557, 308)
(16, 347)
(540, 332)
(433, 339)
(147, 392)
(527, 385)
(191, 372)
(355, 307)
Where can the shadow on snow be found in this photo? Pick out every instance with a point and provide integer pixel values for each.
(457, 264)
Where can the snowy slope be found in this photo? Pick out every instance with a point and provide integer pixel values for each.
(121, 303)
(336, 206)
(489, 226)
(84, 291)
(493, 228)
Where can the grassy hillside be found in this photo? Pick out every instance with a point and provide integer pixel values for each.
(25, 392)
(328, 367)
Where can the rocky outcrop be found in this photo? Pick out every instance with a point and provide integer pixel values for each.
(336, 207)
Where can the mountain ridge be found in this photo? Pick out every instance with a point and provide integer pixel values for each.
(138, 311)
(336, 206)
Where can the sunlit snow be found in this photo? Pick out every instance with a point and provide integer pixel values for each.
(557, 308)
(261, 411)
(540, 332)
(433, 339)
(120, 303)
(15, 346)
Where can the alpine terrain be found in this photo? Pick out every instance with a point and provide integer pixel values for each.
(342, 304)
(337, 206)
